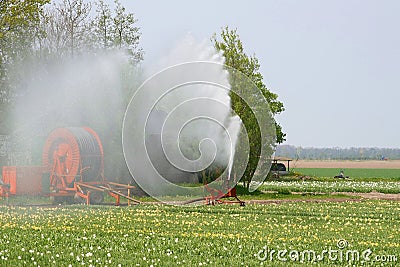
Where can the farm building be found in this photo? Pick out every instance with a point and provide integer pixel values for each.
(278, 165)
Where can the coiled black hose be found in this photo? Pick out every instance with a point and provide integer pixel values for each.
(90, 152)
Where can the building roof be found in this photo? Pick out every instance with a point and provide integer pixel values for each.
(281, 159)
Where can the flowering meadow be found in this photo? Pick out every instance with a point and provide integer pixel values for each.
(332, 186)
(221, 235)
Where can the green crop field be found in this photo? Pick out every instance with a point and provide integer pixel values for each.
(222, 235)
(323, 181)
(352, 173)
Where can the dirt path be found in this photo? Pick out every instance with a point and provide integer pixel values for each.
(375, 195)
(361, 197)
(279, 201)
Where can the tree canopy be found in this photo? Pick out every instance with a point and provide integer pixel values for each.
(41, 40)
(19, 27)
(232, 49)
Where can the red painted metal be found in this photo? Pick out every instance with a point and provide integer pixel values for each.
(225, 196)
(65, 160)
(74, 157)
(22, 180)
(73, 163)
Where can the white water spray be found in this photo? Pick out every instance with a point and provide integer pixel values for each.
(187, 122)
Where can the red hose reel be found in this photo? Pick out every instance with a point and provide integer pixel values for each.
(71, 155)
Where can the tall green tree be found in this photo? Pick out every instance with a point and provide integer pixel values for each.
(103, 25)
(66, 24)
(229, 43)
(116, 29)
(126, 34)
(39, 39)
(19, 28)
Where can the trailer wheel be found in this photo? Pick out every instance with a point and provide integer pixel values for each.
(96, 197)
(70, 200)
(57, 200)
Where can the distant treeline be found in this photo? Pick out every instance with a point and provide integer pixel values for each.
(353, 153)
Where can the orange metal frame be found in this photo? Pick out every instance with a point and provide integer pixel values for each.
(66, 166)
(4, 190)
(85, 189)
(218, 196)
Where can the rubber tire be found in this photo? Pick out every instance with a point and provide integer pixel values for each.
(96, 198)
(57, 200)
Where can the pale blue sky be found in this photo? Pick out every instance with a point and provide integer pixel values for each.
(335, 64)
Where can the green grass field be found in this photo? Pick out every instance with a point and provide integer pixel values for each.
(222, 235)
(358, 233)
(360, 174)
